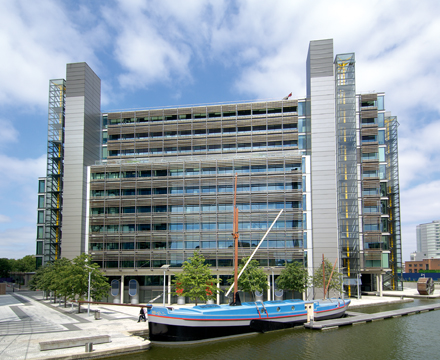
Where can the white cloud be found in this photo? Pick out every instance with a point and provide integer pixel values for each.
(18, 188)
(419, 154)
(18, 242)
(422, 203)
(4, 219)
(8, 134)
(39, 38)
(154, 41)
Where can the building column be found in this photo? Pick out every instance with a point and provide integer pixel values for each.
(218, 286)
(379, 284)
(169, 289)
(122, 289)
(268, 290)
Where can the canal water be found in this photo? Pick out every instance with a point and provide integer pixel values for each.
(407, 337)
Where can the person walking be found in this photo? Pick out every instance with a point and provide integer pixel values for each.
(142, 314)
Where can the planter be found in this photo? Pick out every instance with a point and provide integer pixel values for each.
(181, 300)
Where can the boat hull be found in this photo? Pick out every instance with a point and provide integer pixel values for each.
(173, 325)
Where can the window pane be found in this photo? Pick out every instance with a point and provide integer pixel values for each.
(41, 201)
(41, 186)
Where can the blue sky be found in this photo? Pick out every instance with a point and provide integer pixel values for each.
(160, 53)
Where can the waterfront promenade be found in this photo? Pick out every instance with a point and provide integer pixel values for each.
(26, 320)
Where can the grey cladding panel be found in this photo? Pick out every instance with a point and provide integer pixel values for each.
(320, 58)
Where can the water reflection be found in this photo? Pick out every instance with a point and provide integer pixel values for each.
(407, 337)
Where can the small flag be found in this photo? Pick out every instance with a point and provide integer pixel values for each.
(287, 97)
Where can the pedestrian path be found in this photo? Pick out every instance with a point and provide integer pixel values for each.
(26, 319)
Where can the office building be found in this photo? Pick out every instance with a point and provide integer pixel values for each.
(428, 241)
(146, 188)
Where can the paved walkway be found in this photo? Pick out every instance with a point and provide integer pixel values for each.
(26, 319)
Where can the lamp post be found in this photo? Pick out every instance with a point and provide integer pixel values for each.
(165, 268)
(88, 290)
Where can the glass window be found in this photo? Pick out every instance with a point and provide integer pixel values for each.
(369, 156)
(40, 232)
(302, 144)
(384, 225)
(127, 246)
(97, 211)
(369, 121)
(369, 138)
(144, 191)
(382, 172)
(371, 192)
(192, 208)
(381, 119)
(114, 192)
(301, 108)
(209, 189)
(192, 190)
(383, 189)
(382, 154)
(225, 170)
(381, 137)
(41, 186)
(209, 226)
(144, 173)
(144, 227)
(258, 111)
(40, 219)
(112, 175)
(176, 190)
(41, 201)
(129, 174)
(369, 173)
(129, 192)
(208, 208)
(380, 103)
(371, 227)
(384, 207)
(176, 227)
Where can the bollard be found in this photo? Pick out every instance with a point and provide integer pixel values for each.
(89, 347)
(97, 315)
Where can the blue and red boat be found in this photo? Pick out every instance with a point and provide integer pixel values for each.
(169, 324)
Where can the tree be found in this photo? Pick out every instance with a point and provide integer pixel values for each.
(196, 281)
(76, 280)
(71, 279)
(26, 264)
(335, 282)
(5, 268)
(51, 277)
(253, 278)
(293, 277)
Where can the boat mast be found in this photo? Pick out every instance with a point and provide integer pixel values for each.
(235, 235)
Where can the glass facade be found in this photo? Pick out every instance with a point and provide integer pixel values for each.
(146, 214)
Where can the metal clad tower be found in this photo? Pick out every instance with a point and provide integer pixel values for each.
(82, 148)
(321, 92)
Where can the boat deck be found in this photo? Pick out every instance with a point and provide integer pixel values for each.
(353, 318)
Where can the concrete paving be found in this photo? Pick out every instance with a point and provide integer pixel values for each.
(26, 319)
